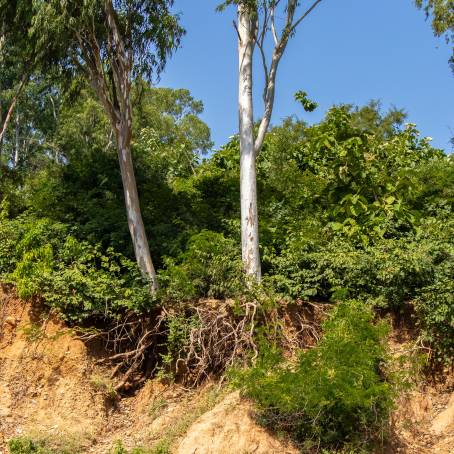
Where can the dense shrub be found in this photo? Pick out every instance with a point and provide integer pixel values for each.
(78, 279)
(435, 313)
(389, 273)
(10, 232)
(335, 393)
(27, 445)
(386, 273)
(120, 449)
(210, 267)
(356, 206)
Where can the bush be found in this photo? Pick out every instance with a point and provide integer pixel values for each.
(435, 313)
(10, 232)
(120, 449)
(78, 279)
(210, 267)
(335, 393)
(387, 273)
(27, 445)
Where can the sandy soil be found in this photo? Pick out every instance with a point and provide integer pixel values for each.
(51, 389)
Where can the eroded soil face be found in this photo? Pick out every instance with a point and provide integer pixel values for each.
(424, 421)
(51, 388)
(44, 377)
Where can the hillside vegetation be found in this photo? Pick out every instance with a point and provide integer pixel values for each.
(307, 266)
(356, 209)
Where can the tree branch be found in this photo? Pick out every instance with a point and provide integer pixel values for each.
(308, 11)
(270, 87)
(265, 67)
(12, 106)
(278, 51)
(273, 26)
(121, 65)
(90, 53)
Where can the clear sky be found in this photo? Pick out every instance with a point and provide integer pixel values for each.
(347, 51)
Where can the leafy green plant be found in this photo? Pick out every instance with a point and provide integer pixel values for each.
(179, 327)
(33, 332)
(336, 393)
(78, 279)
(356, 206)
(119, 448)
(308, 104)
(435, 313)
(210, 267)
(28, 445)
(24, 445)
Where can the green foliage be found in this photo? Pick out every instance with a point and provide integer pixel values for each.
(27, 445)
(74, 277)
(335, 393)
(210, 267)
(385, 274)
(33, 333)
(442, 15)
(179, 328)
(308, 105)
(356, 206)
(52, 29)
(435, 312)
(120, 449)
(85, 188)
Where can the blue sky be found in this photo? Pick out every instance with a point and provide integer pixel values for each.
(347, 51)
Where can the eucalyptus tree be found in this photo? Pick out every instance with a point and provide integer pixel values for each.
(16, 58)
(111, 43)
(256, 26)
(442, 14)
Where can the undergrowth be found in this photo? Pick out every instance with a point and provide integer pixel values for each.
(337, 394)
(44, 445)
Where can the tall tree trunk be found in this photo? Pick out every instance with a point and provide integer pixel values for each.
(135, 221)
(10, 111)
(113, 89)
(1, 138)
(248, 180)
(17, 139)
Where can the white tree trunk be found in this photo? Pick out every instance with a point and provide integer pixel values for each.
(135, 221)
(1, 138)
(248, 181)
(17, 139)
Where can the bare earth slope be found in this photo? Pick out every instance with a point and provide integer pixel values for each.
(51, 389)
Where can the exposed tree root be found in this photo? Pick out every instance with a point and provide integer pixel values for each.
(217, 334)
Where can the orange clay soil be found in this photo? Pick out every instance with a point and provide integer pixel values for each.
(51, 389)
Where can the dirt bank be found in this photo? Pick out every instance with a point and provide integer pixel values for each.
(50, 388)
